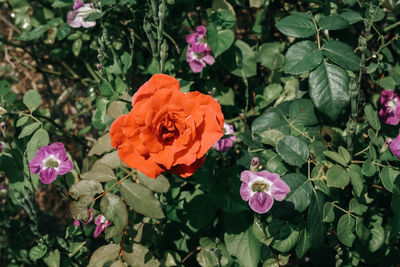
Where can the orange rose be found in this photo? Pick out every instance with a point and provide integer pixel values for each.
(167, 130)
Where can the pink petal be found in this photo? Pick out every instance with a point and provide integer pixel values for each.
(395, 146)
(196, 65)
(65, 166)
(247, 176)
(47, 176)
(279, 189)
(245, 191)
(261, 202)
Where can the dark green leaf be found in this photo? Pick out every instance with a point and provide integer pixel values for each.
(140, 256)
(246, 60)
(329, 86)
(270, 120)
(355, 172)
(372, 117)
(106, 88)
(302, 57)
(33, 35)
(159, 185)
(85, 187)
(334, 22)
(293, 150)
(377, 239)
(301, 111)
(53, 258)
(270, 56)
(286, 239)
(219, 41)
(40, 138)
(315, 228)
(141, 199)
(76, 47)
(351, 16)
(100, 172)
(63, 31)
(342, 54)
(300, 191)
(296, 26)
(328, 214)
(368, 169)
(37, 252)
(303, 244)
(336, 157)
(356, 207)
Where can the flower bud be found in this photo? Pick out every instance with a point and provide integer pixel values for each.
(254, 164)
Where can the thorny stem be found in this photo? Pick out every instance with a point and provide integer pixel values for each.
(114, 185)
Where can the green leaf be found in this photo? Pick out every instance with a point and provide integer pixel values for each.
(206, 257)
(63, 31)
(293, 150)
(200, 204)
(40, 138)
(77, 46)
(302, 57)
(361, 231)
(315, 227)
(345, 154)
(141, 199)
(286, 239)
(245, 59)
(334, 22)
(270, 56)
(300, 191)
(301, 111)
(140, 256)
(106, 89)
(100, 172)
(356, 207)
(37, 252)
(4, 88)
(28, 130)
(372, 117)
(342, 54)
(351, 16)
(21, 121)
(368, 169)
(356, 178)
(85, 187)
(388, 176)
(377, 239)
(328, 213)
(271, 137)
(345, 230)
(159, 185)
(244, 246)
(102, 145)
(296, 26)
(303, 244)
(329, 86)
(53, 258)
(336, 157)
(33, 35)
(271, 93)
(337, 176)
(32, 100)
(104, 254)
(223, 19)
(270, 119)
(114, 209)
(219, 41)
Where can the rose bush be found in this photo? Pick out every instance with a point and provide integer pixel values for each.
(167, 130)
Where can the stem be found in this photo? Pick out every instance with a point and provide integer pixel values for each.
(114, 185)
(318, 38)
(342, 209)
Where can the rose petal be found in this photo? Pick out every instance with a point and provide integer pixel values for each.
(261, 202)
(187, 170)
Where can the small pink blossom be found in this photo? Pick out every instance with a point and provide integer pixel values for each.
(76, 222)
(395, 146)
(49, 162)
(102, 223)
(390, 111)
(261, 188)
(198, 54)
(76, 18)
(224, 144)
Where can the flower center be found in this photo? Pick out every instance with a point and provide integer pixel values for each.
(167, 131)
(260, 187)
(392, 104)
(51, 162)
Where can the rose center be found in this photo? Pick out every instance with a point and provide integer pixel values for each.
(260, 187)
(51, 163)
(167, 132)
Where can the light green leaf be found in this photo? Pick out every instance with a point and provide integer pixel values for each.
(140, 256)
(114, 209)
(219, 41)
(85, 187)
(351, 16)
(37, 252)
(270, 119)
(159, 185)
(246, 60)
(53, 258)
(342, 54)
(40, 138)
(102, 145)
(302, 57)
(345, 230)
(28, 130)
(244, 246)
(141, 199)
(329, 86)
(77, 46)
(104, 254)
(296, 26)
(377, 239)
(328, 214)
(388, 176)
(100, 172)
(21, 121)
(336, 157)
(293, 150)
(356, 178)
(32, 99)
(372, 117)
(337, 176)
(286, 239)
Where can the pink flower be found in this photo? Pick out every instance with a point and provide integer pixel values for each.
(49, 162)
(390, 111)
(395, 146)
(261, 188)
(102, 224)
(76, 18)
(198, 53)
(224, 144)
